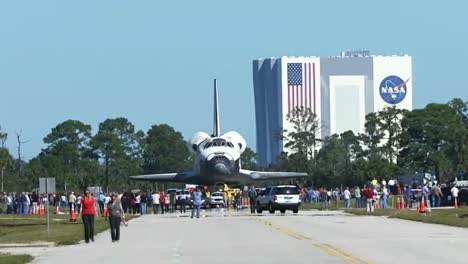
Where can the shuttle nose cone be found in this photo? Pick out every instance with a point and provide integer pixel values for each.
(221, 168)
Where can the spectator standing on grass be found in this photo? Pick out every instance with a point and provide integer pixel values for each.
(369, 194)
(116, 215)
(107, 200)
(155, 202)
(63, 201)
(408, 193)
(131, 203)
(35, 202)
(385, 197)
(347, 197)
(425, 195)
(357, 197)
(323, 198)
(9, 202)
(78, 203)
(143, 203)
(137, 203)
(88, 211)
(72, 201)
(124, 202)
(101, 198)
(162, 202)
(436, 195)
(454, 192)
(149, 202)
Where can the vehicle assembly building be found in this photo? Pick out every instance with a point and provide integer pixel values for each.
(340, 90)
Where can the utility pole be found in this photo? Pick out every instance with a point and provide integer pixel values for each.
(18, 137)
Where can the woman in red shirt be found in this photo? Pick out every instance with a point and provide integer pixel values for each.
(369, 194)
(88, 210)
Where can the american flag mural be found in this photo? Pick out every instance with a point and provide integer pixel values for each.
(301, 86)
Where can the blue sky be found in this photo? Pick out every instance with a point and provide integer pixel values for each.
(153, 61)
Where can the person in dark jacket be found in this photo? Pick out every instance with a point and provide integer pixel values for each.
(116, 215)
(253, 199)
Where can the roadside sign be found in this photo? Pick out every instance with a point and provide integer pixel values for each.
(46, 185)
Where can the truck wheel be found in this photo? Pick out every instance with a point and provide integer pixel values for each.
(283, 211)
(295, 211)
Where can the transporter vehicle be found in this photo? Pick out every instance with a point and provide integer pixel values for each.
(280, 197)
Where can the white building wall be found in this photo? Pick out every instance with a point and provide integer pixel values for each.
(358, 71)
(347, 103)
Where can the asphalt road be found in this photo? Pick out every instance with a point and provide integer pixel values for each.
(238, 237)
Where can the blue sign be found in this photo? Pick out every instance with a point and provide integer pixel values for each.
(393, 89)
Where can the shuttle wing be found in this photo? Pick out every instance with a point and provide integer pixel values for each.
(185, 177)
(271, 175)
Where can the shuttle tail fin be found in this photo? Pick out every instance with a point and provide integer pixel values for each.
(216, 126)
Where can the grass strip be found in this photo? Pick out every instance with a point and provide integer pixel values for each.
(451, 217)
(15, 259)
(33, 228)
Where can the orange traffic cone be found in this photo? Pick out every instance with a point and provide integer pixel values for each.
(72, 214)
(422, 207)
(455, 203)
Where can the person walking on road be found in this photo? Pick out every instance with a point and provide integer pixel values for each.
(88, 211)
(116, 215)
(253, 199)
(197, 201)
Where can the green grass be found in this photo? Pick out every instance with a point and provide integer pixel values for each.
(452, 217)
(316, 205)
(33, 228)
(15, 259)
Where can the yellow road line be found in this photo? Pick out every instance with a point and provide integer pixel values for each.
(335, 253)
(283, 230)
(348, 254)
(329, 249)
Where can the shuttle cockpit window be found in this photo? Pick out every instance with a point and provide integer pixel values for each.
(218, 142)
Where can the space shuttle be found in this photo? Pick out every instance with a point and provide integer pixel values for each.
(217, 160)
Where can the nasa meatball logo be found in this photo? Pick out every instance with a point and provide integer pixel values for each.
(393, 89)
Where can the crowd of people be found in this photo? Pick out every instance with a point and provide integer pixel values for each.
(371, 194)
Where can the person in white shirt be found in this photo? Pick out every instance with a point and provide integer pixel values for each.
(385, 197)
(454, 192)
(155, 202)
(78, 203)
(107, 199)
(347, 197)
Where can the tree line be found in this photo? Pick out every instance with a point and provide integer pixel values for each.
(394, 142)
(433, 139)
